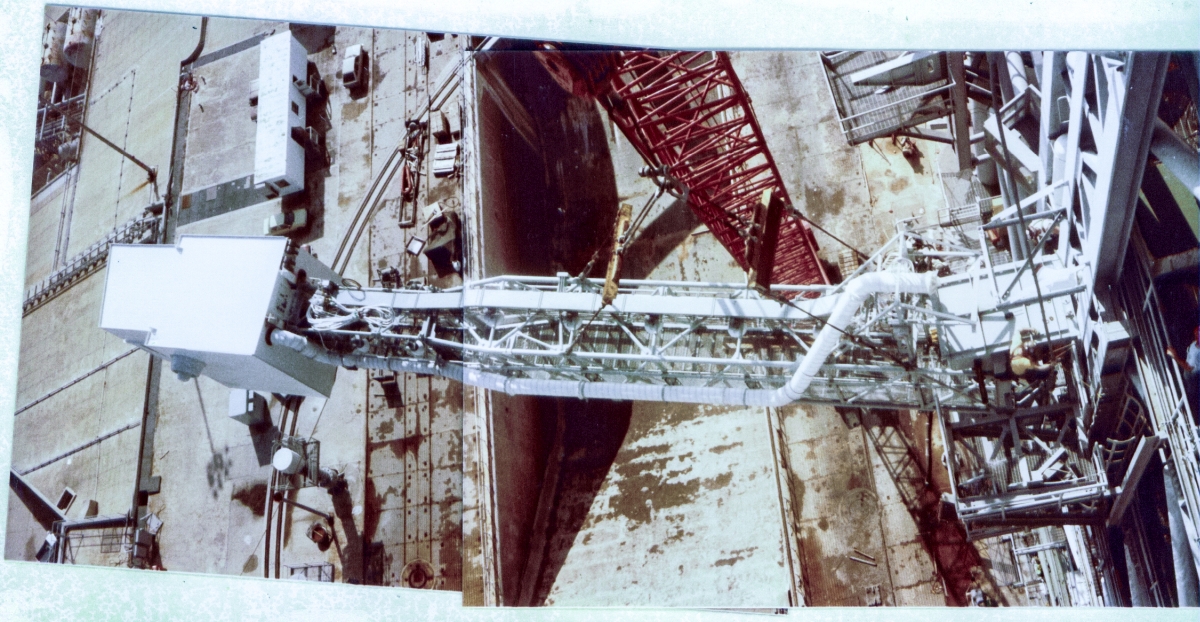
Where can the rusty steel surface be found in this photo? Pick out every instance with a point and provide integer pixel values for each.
(689, 112)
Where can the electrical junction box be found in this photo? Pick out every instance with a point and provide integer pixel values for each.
(204, 303)
(278, 158)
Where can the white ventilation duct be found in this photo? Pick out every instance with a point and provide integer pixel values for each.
(851, 298)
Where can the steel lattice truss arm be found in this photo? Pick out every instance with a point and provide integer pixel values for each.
(724, 344)
(717, 339)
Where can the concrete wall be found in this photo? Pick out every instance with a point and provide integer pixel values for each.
(60, 343)
(131, 103)
(519, 463)
(688, 515)
(214, 470)
(857, 193)
(45, 214)
(547, 197)
(24, 535)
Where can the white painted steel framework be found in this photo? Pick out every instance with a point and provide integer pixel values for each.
(659, 340)
(888, 345)
(894, 335)
(1097, 124)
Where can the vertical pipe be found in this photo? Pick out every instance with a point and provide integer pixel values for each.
(1139, 592)
(987, 169)
(267, 527)
(1046, 121)
(962, 133)
(1038, 60)
(1186, 582)
(1177, 155)
(1016, 72)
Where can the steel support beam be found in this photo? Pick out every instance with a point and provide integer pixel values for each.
(1137, 466)
(962, 115)
(1144, 74)
(1180, 158)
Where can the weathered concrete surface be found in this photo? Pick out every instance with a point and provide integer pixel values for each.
(688, 515)
(220, 135)
(837, 506)
(640, 493)
(414, 445)
(24, 535)
(103, 472)
(854, 192)
(545, 203)
(45, 214)
(477, 584)
(131, 103)
(519, 460)
(847, 505)
(546, 207)
(414, 485)
(60, 340)
(59, 344)
(331, 198)
(844, 498)
(214, 471)
(682, 475)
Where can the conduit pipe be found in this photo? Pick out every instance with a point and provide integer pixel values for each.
(1016, 72)
(852, 297)
(847, 305)
(1177, 155)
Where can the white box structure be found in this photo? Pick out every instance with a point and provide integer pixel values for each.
(278, 158)
(204, 303)
(247, 407)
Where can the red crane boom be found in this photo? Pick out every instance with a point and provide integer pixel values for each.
(689, 112)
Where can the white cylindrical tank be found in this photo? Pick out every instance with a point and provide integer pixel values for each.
(286, 461)
(54, 64)
(81, 34)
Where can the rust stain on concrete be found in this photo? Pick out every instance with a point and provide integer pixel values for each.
(720, 449)
(253, 496)
(736, 556)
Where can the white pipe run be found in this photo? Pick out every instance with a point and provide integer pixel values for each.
(1177, 155)
(852, 297)
(1016, 72)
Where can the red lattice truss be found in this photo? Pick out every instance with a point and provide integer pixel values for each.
(689, 111)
